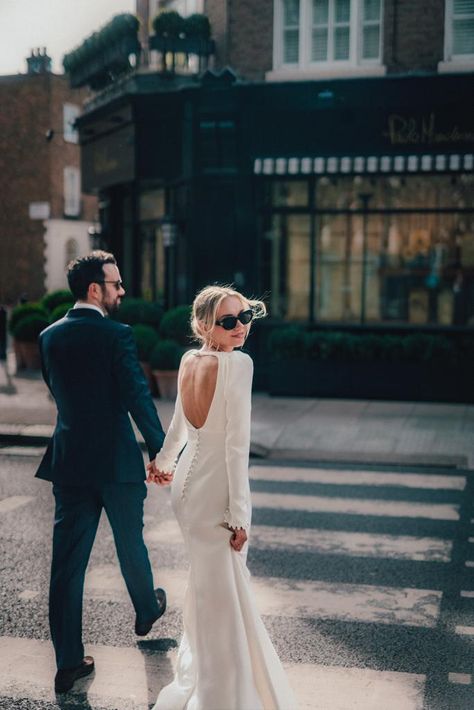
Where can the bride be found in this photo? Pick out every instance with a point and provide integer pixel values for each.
(226, 660)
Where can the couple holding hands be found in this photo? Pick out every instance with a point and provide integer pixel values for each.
(226, 660)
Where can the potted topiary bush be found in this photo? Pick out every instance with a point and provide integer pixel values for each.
(146, 338)
(137, 311)
(56, 298)
(26, 333)
(17, 315)
(60, 311)
(164, 361)
(176, 325)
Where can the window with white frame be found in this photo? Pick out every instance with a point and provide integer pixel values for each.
(311, 33)
(459, 30)
(70, 113)
(72, 192)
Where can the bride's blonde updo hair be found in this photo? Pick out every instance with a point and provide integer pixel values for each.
(206, 305)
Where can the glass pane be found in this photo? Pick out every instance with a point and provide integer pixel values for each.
(319, 50)
(370, 49)
(463, 36)
(320, 12)
(290, 193)
(463, 7)
(371, 10)
(341, 43)
(291, 12)
(342, 10)
(291, 46)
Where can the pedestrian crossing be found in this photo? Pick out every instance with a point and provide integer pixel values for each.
(349, 642)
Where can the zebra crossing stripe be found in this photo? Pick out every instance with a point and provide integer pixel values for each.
(14, 502)
(356, 506)
(279, 597)
(338, 477)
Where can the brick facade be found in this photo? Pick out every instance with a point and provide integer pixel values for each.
(243, 29)
(31, 170)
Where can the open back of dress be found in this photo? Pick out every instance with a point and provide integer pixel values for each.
(198, 380)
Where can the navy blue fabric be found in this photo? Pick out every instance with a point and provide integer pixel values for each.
(91, 366)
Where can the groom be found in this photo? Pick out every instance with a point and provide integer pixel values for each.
(90, 365)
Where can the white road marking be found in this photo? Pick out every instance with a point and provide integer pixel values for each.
(464, 630)
(467, 595)
(341, 477)
(460, 678)
(14, 502)
(469, 563)
(295, 598)
(356, 506)
(28, 595)
(127, 677)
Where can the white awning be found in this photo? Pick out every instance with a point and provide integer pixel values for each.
(365, 164)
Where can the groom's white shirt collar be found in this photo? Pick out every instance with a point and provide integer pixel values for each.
(79, 304)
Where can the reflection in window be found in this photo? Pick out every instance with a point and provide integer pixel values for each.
(71, 250)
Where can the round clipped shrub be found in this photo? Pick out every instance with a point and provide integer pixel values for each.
(287, 343)
(169, 24)
(23, 311)
(166, 355)
(56, 298)
(29, 327)
(176, 325)
(60, 311)
(135, 311)
(146, 338)
(197, 26)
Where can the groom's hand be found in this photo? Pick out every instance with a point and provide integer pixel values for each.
(156, 476)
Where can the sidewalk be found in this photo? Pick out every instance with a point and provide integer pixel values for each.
(359, 431)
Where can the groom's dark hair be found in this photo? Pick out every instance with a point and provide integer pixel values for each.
(87, 270)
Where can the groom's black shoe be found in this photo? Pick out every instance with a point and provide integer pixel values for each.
(66, 677)
(142, 629)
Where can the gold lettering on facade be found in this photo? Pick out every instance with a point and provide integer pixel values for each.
(103, 163)
(415, 131)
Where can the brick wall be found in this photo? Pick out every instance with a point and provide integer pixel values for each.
(243, 30)
(31, 170)
(413, 35)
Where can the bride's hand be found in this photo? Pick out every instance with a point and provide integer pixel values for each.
(238, 539)
(162, 478)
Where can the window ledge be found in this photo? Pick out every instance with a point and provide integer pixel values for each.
(455, 66)
(331, 71)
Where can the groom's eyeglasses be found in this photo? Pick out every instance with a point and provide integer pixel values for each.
(229, 322)
(118, 284)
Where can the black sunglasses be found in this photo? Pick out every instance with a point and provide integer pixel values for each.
(118, 284)
(229, 322)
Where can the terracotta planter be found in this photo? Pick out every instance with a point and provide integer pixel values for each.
(18, 350)
(147, 371)
(167, 382)
(30, 355)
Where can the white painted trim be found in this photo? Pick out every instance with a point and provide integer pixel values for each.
(321, 71)
(455, 66)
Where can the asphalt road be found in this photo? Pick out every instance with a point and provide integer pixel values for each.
(365, 580)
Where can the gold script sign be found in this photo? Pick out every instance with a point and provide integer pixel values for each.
(414, 131)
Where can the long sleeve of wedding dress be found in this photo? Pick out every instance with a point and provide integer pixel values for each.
(237, 393)
(175, 440)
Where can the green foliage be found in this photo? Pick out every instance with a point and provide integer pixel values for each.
(56, 298)
(60, 311)
(166, 355)
(120, 26)
(292, 343)
(28, 328)
(146, 338)
(134, 311)
(169, 24)
(175, 325)
(23, 311)
(287, 343)
(197, 26)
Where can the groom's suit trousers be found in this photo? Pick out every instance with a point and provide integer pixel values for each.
(77, 514)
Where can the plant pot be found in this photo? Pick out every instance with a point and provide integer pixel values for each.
(167, 382)
(30, 354)
(147, 371)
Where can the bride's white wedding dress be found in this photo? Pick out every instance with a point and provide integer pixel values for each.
(226, 660)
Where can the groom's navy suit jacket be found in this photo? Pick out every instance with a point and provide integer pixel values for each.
(90, 364)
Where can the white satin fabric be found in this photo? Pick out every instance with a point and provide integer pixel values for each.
(226, 660)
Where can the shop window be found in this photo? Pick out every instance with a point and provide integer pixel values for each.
(459, 30)
(325, 33)
(218, 149)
